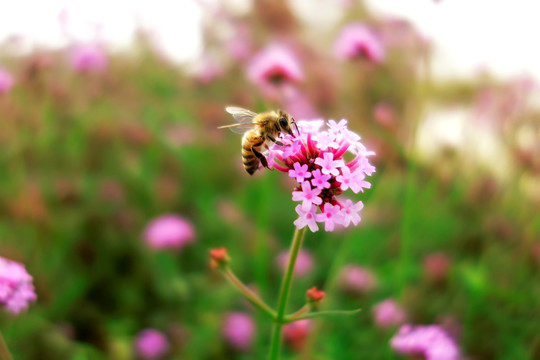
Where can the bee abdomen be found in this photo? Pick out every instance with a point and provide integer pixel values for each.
(250, 161)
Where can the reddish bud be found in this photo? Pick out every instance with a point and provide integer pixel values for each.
(218, 257)
(314, 294)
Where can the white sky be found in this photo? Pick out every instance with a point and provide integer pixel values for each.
(469, 35)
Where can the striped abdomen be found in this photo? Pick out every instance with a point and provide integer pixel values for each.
(251, 141)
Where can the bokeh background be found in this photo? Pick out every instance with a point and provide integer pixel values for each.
(103, 130)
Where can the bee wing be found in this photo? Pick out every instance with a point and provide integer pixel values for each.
(243, 116)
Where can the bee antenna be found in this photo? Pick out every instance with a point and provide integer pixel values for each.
(296, 127)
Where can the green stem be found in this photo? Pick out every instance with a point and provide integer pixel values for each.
(296, 245)
(4, 351)
(252, 297)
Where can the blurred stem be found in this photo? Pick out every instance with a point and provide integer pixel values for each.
(252, 297)
(4, 351)
(296, 245)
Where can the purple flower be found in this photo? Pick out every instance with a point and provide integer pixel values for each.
(88, 58)
(151, 344)
(357, 40)
(388, 314)
(321, 154)
(357, 279)
(169, 232)
(273, 67)
(6, 81)
(303, 265)
(239, 330)
(16, 288)
(430, 341)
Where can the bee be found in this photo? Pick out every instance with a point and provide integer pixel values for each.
(258, 130)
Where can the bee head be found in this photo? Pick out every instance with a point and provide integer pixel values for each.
(285, 121)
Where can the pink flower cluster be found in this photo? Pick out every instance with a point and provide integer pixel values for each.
(151, 344)
(357, 40)
(16, 288)
(88, 58)
(169, 231)
(315, 158)
(388, 314)
(431, 342)
(6, 81)
(239, 330)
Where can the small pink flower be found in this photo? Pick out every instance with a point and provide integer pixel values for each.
(88, 58)
(239, 330)
(357, 40)
(331, 216)
(320, 180)
(300, 172)
(350, 212)
(357, 279)
(151, 344)
(6, 81)
(431, 342)
(303, 265)
(389, 314)
(328, 165)
(16, 288)
(306, 218)
(169, 232)
(296, 333)
(307, 196)
(273, 67)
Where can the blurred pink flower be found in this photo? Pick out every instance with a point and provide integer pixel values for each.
(389, 314)
(436, 266)
(274, 67)
(357, 40)
(239, 330)
(169, 232)
(304, 262)
(300, 105)
(6, 81)
(151, 344)
(88, 58)
(431, 342)
(295, 333)
(357, 279)
(208, 69)
(384, 114)
(239, 44)
(16, 288)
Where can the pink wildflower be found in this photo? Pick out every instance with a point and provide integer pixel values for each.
(6, 81)
(321, 154)
(16, 288)
(208, 69)
(169, 232)
(388, 314)
(151, 344)
(357, 40)
(304, 262)
(296, 333)
(239, 330)
(357, 279)
(431, 342)
(88, 58)
(273, 67)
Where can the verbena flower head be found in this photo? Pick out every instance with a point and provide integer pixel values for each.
(357, 279)
(431, 342)
(169, 232)
(151, 344)
(325, 163)
(88, 58)
(273, 67)
(389, 313)
(6, 81)
(239, 330)
(357, 40)
(16, 288)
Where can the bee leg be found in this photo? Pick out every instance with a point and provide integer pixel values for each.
(261, 157)
(271, 138)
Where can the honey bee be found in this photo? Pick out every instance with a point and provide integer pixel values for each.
(258, 130)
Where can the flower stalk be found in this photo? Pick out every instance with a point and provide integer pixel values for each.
(4, 351)
(275, 342)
